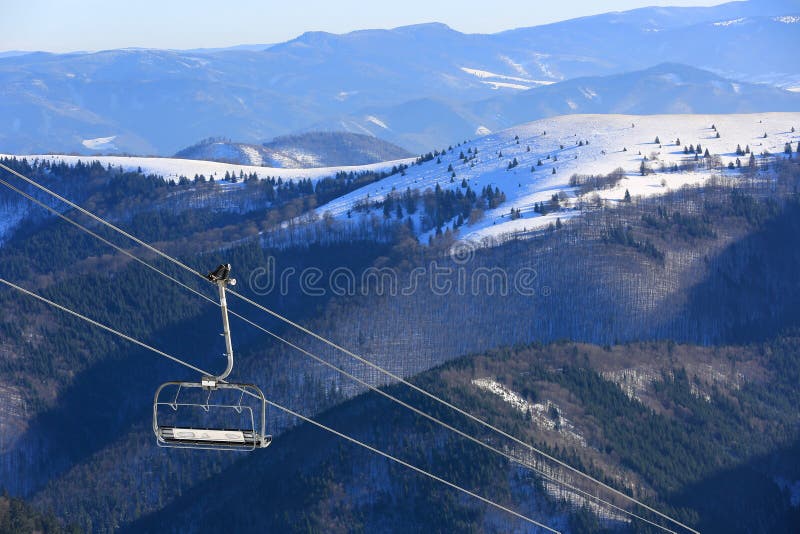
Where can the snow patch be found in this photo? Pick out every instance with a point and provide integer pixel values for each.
(482, 130)
(514, 65)
(588, 93)
(539, 413)
(376, 121)
(100, 143)
(344, 95)
(633, 382)
(484, 74)
(731, 22)
(787, 19)
(253, 155)
(506, 85)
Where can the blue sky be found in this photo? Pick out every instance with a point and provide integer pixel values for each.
(64, 25)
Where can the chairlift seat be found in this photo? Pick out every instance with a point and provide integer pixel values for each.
(173, 429)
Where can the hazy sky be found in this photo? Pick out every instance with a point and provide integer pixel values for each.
(64, 25)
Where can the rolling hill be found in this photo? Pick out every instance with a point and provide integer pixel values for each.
(310, 150)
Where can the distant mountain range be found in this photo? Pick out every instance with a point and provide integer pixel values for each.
(316, 149)
(667, 88)
(158, 101)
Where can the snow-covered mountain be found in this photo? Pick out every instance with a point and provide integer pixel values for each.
(532, 162)
(158, 101)
(666, 88)
(310, 150)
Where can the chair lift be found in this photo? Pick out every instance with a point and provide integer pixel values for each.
(184, 415)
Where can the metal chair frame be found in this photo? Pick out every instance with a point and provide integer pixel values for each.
(214, 438)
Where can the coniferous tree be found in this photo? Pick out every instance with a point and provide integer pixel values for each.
(657, 141)
(627, 196)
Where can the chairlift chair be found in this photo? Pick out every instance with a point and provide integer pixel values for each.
(212, 413)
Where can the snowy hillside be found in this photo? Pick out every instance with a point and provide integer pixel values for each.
(311, 149)
(174, 168)
(584, 145)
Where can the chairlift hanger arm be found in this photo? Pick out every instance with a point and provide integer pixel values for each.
(221, 277)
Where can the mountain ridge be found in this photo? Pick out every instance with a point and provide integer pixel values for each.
(159, 101)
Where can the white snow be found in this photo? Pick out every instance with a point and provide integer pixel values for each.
(729, 22)
(482, 130)
(344, 95)
(505, 85)
(539, 412)
(607, 135)
(496, 81)
(173, 168)
(253, 155)
(376, 121)
(514, 65)
(100, 143)
(787, 19)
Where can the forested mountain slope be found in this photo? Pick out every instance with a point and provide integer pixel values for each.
(708, 434)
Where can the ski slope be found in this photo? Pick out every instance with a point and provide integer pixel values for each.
(614, 141)
(174, 168)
